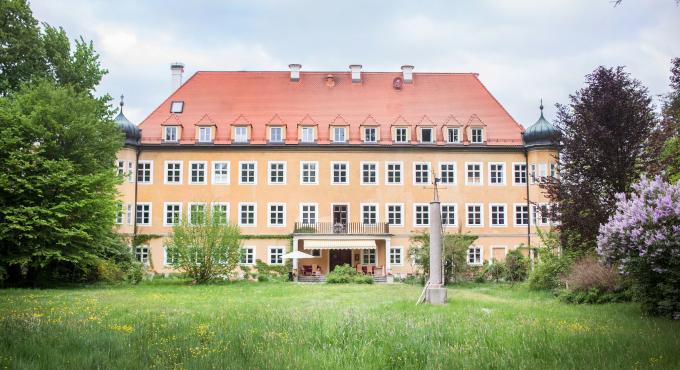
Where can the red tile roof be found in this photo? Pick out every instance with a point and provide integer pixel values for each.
(262, 98)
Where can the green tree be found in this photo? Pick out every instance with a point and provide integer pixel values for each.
(30, 54)
(664, 143)
(57, 185)
(454, 253)
(205, 248)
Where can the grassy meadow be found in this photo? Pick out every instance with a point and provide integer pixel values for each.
(169, 324)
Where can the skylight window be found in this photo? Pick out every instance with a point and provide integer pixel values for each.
(177, 107)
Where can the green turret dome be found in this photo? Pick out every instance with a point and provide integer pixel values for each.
(540, 133)
(132, 133)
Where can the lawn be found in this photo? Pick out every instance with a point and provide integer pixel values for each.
(168, 324)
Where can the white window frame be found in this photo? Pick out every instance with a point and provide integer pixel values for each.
(177, 106)
(400, 253)
(481, 174)
(252, 254)
(367, 255)
(455, 172)
(505, 214)
(376, 171)
(415, 214)
(542, 171)
(401, 173)
(281, 138)
(532, 173)
(120, 168)
(457, 130)
(240, 210)
(226, 211)
(144, 250)
(120, 214)
(401, 213)
(302, 212)
(238, 137)
(269, 214)
(316, 172)
(240, 173)
(269, 172)
(481, 255)
(396, 135)
(166, 131)
(132, 172)
(376, 206)
(514, 214)
(165, 172)
(514, 171)
(503, 173)
(415, 177)
(269, 255)
(190, 205)
(128, 214)
(150, 163)
(336, 130)
(481, 214)
(150, 213)
(305, 139)
(214, 179)
(165, 213)
(205, 173)
(346, 163)
(455, 212)
(432, 135)
(375, 135)
(472, 135)
(202, 130)
(166, 261)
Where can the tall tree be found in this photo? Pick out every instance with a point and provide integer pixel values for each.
(604, 130)
(57, 186)
(30, 53)
(664, 143)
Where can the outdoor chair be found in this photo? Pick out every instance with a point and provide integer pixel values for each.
(364, 270)
(307, 270)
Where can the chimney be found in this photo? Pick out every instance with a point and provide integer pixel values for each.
(177, 69)
(295, 72)
(356, 72)
(407, 72)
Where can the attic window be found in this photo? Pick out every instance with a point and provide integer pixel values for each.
(177, 107)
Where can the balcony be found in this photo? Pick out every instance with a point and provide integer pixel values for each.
(349, 228)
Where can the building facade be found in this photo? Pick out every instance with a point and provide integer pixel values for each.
(343, 162)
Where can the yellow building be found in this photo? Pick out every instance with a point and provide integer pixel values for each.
(343, 161)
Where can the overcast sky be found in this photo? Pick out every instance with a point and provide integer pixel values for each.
(522, 50)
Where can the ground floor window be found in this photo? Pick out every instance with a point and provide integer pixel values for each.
(275, 256)
(169, 258)
(248, 256)
(142, 254)
(368, 256)
(475, 255)
(396, 256)
(316, 252)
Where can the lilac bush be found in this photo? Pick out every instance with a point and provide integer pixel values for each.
(642, 237)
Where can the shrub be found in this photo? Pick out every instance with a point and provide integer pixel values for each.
(109, 272)
(204, 248)
(587, 273)
(362, 279)
(593, 296)
(496, 271)
(643, 238)
(516, 266)
(550, 265)
(344, 274)
(454, 253)
(479, 274)
(135, 272)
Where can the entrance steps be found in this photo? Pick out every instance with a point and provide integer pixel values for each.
(311, 279)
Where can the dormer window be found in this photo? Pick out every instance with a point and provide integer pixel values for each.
(339, 135)
(241, 134)
(401, 135)
(205, 134)
(177, 107)
(307, 134)
(453, 135)
(426, 135)
(477, 136)
(370, 135)
(275, 134)
(170, 134)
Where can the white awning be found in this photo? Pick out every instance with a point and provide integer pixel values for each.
(339, 244)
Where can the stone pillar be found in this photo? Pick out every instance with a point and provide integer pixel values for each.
(436, 293)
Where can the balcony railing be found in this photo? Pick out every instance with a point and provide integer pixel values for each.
(340, 228)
